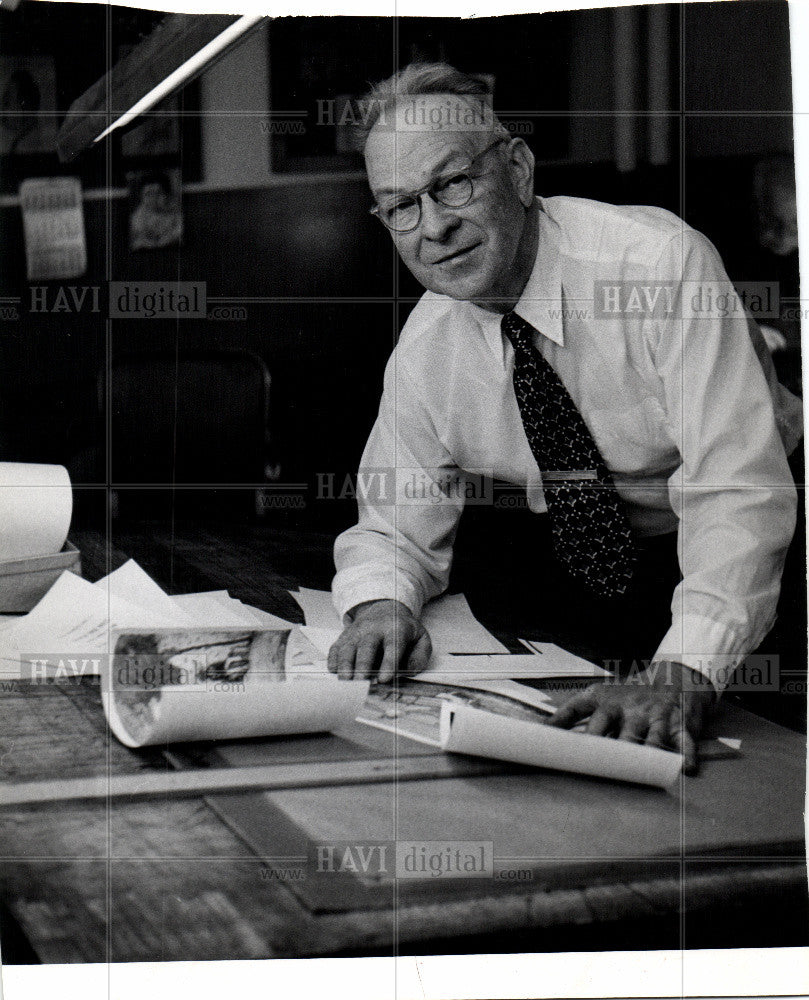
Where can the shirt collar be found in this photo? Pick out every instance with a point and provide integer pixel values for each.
(541, 301)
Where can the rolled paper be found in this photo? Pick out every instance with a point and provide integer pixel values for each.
(473, 731)
(175, 685)
(36, 503)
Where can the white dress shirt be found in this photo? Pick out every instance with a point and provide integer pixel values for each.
(685, 409)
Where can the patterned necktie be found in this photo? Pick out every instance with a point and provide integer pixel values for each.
(591, 533)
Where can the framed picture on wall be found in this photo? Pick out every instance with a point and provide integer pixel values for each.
(156, 215)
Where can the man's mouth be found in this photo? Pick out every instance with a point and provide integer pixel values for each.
(456, 255)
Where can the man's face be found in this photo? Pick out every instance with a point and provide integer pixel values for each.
(470, 252)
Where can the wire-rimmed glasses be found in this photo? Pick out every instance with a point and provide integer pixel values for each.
(402, 213)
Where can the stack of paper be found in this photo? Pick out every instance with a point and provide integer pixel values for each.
(75, 618)
(449, 620)
(463, 650)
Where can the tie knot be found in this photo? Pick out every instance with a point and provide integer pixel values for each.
(518, 331)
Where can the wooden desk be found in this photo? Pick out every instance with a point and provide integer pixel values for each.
(587, 864)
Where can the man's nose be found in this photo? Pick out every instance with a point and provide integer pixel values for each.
(437, 220)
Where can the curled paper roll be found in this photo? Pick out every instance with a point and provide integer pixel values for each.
(469, 730)
(36, 502)
(175, 685)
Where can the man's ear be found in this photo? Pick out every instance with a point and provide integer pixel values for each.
(521, 165)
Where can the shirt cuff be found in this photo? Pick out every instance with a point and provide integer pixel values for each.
(358, 584)
(704, 645)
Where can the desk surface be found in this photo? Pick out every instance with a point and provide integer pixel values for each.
(582, 863)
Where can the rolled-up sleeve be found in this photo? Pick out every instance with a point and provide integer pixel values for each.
(733, 493)
(409, 504)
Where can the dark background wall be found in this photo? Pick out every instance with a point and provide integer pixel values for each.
(323, 296)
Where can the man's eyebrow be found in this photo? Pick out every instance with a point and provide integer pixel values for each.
(435, 172)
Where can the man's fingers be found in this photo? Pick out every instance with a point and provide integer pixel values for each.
(683, 741)
(366, 657)
(390, 658)
(345, 660)
(573, 710)
(658, 733)
(419, 655)
(331, 661)
(634, 727)
(601, 721)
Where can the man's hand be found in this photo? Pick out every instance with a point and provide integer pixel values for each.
(664, 707)
(383, 634)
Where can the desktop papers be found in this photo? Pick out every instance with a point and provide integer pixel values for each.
(449, 620)
(551, 663)
(206, 666)
(73, 619)
(318, 610)
(130, 586)
(462, 647)
(454, 629)
(76, 618)
(463, 650)
(167, 674)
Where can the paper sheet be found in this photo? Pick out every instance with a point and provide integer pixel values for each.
(548, 663)
(508, 689)
(415, 713)
(321, 639)
(171, 686)
(73, 619)
(553, 663)
(212, 609)
(318, 610)
(454, 629)
(266, 620)
(219, 608)
(36, 503)
(53, 227)
(469, 730)
(133, 585)
(561, 663)
(255, 615)
(449, 620)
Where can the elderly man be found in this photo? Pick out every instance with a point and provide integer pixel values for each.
(658, 425)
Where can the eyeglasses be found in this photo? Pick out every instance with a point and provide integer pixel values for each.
(402, 214)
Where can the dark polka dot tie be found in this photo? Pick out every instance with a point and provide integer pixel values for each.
(591, 534)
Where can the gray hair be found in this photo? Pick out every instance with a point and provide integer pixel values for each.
(419, 79)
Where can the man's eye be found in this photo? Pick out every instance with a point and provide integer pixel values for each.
(446, 185)
(398, 209)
